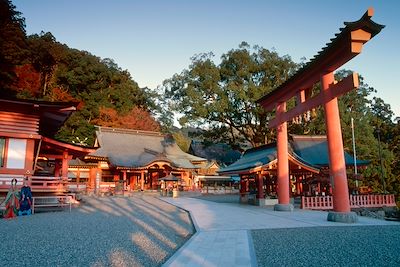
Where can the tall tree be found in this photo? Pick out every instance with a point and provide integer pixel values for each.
(100, 85)
(13, 47)
(222, 98)
(43, 47)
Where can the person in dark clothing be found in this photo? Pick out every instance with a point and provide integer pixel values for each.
(25, 199)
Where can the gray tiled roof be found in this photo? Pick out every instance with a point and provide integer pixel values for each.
(135, 149)
(252, 158)
(309, 150)
(314, 150)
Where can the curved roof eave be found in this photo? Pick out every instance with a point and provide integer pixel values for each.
(302, 163)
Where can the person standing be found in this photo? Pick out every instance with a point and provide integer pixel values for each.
(12, 201)
(25, 199)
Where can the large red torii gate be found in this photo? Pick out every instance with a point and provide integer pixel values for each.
(347, 44)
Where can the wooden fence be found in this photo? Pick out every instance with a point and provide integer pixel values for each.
(37, 183)
(356, 201)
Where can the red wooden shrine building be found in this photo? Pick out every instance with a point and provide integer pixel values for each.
(129, 160)
(347, 44)
(27, 148)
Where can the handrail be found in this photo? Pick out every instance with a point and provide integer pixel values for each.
(356, 201)
(37, 183)
(60, 202)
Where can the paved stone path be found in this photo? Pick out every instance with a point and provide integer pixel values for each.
(223, 235)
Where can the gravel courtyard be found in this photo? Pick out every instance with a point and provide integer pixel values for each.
(116, 231)
(328, 246)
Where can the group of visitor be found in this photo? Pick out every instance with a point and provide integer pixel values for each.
(18, 202)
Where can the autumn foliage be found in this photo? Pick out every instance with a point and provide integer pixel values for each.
(137, 119)
(59, 94)
(27, 78)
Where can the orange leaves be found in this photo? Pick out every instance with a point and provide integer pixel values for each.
(27, 79)
(59, 94)
(137, 119)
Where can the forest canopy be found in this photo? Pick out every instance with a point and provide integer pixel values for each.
(38, 67)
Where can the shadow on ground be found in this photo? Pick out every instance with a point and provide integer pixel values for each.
(223, 198)
(111, 231)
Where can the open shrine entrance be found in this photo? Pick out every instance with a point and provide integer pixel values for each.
(148, 178)
(347, 44)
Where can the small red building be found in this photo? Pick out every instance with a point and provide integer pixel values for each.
(27, 146)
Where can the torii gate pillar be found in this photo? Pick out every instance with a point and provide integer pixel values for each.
(283, 163)
(337, 165)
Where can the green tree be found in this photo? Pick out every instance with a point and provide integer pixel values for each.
(221, 99)
(96, 83)
(13, 47)
(43, 57)
(68, 75)
(369, 116)
(182, 140)
(385, 132)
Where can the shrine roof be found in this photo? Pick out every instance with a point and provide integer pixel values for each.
(52, 146)
(344, 46)
(78, 163)
(252, 158)
(314, 150)
(215, 178)
(52, 114)
(127, 148)
(310, 152)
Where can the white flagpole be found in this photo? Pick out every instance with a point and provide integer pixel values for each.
(354, 152)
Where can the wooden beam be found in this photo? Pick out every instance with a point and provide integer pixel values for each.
(19, 135)
(54, 156)
(347, 84)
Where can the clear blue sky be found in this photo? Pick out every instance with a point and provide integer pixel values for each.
(155, 39)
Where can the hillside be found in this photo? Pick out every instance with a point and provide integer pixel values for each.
(38, 67)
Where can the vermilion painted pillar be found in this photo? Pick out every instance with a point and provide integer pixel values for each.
(242, 186)
(92, 179)
(337, 166)
(283, 163)
(123, 180)
(142, 180)
(64, 168)
(260, 186)
(57, 169)
(78, 177)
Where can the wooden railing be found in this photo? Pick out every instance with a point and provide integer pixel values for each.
(76, 187)
(47, 184)
(37, 183)
(51, 201)
(317, 203)
(356, 201)
(5, 181)
(372, 201)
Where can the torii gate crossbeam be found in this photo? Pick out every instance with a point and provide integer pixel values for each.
(347, 44)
